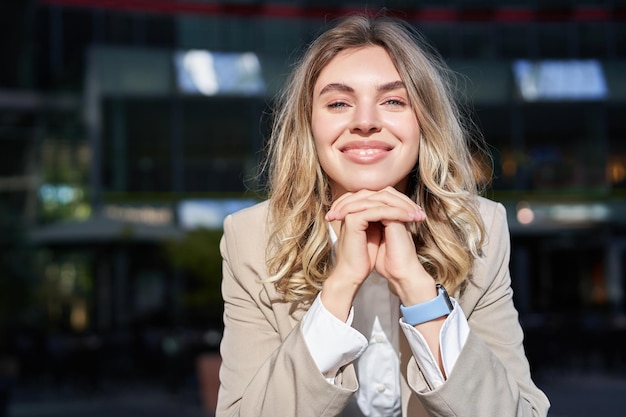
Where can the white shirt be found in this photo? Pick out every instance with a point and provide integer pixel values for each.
(370, 339)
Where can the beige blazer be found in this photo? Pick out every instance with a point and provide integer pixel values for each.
(267, 370)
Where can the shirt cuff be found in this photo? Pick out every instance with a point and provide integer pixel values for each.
(331, 342)
(452, 338)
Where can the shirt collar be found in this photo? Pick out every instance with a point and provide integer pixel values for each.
(333, 235)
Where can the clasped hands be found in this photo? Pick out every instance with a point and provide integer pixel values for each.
(372, 230)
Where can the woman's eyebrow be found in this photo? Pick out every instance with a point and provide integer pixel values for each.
(336, 87)
(393, 85)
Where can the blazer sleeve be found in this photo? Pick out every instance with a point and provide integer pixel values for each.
(264, 373)
(492, 375)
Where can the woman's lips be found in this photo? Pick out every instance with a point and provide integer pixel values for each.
(365, 152)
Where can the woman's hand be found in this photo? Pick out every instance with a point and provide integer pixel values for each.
(373, 234)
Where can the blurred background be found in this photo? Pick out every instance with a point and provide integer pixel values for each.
(130, 128)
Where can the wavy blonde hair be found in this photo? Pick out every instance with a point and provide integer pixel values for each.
(443, 182)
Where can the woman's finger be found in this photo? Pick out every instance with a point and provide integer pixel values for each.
(389, 196)
(378, 200)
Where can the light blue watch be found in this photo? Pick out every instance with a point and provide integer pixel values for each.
(429, 310)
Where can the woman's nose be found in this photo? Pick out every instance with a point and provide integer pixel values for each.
(365, 120)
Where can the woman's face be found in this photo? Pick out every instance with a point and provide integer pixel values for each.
(366, 132)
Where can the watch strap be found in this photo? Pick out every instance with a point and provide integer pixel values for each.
(429, 310)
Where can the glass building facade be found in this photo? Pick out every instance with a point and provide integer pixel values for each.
(116, 115)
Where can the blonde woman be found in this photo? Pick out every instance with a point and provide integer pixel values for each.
(335, 288)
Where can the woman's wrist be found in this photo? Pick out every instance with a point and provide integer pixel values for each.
(417, 290)
(337, 296)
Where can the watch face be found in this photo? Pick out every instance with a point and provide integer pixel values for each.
(446, 297)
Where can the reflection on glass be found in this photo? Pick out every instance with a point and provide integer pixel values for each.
(560, 80)
(209, 213)
(213, 73)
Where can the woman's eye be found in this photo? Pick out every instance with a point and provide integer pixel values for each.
(395, 102)
(337, 105)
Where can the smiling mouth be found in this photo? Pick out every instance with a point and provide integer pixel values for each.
(365, 148)
(364, 152)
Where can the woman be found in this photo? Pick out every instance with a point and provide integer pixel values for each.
(335, 288)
